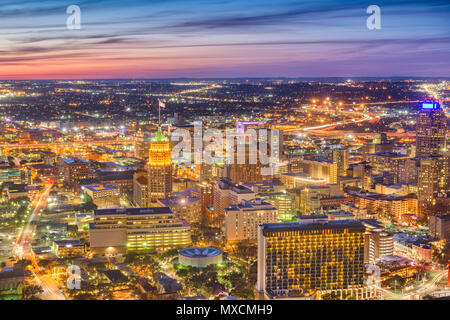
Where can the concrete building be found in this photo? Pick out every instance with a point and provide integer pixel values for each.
(242, 220)
(137, 229)
(104, 196)
(184, 206)
(434, 181)
(387, 206)
(386, 161)
(159, 168)
(315, 198)
(321, 170)
(226, 192)
(300, 180)
(341, 158)
(69, 248)
(379, 242)
(440, 226)
(75, 170)
(140, 190)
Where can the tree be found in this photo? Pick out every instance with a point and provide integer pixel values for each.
(28, 292)
(330, 296)
(84, 296)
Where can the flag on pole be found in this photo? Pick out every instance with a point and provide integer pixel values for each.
(162, 104)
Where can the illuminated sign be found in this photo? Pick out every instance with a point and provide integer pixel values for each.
(430, 105)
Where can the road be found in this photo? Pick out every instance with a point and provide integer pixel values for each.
(65, 144)
(22, 245)
(50, 287)
(421, 290)
(23, 248)
(356, 118)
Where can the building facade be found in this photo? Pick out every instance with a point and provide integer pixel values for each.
(242, 220)
(137, 229)
(306, 257)
(159, 168)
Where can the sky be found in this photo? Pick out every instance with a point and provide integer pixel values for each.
(223, 39)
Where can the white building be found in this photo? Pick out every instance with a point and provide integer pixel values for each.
(242, 220)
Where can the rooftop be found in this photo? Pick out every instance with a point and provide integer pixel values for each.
(74, 160)
(101, 187)
(159, 137)
(251, 205)
(133, 211)
(322, 225)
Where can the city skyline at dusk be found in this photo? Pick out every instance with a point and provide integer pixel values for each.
(243, 152)
(223, 39)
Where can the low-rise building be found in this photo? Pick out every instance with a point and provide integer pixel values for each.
(137, 229)
(69, 248)
(104, 196)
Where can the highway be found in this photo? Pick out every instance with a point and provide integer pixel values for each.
(357, 117)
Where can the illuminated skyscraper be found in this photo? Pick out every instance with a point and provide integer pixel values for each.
(159, 168)
(309, 256)
(431, 130)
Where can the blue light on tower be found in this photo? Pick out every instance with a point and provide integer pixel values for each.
(431, 105)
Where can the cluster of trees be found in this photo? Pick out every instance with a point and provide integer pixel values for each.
(335, 296)
(20, 207)
(150, 258)
(201, 281)
(31, 292)
(230, 276)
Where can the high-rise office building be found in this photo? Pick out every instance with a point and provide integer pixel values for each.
(159, 168)
(386, 162)
(140, 189)
(321, 170)
(104, 196)
(242, 220)
(431, 129)
(250, 162)
(140, 145)
(440, 226)
(309, 256)
(75, 170)
(433, 181)
(284, 202)
(408, 171)
(340, 156)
